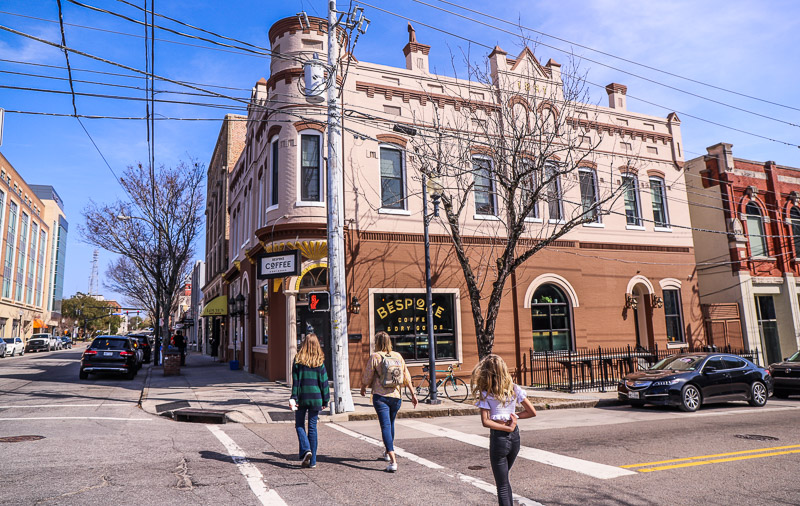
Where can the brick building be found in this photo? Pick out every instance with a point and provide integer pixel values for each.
(626, 278)
(747, 244)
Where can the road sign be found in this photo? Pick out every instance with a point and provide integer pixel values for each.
(319, 301)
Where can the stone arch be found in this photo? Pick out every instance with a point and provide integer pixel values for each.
(639, 279)
(668, 283)
(554, 279)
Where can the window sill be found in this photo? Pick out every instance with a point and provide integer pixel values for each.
(634, 227)
(595, 225)
(486, 217)
(672, 346)
(303, 203)
(762, 259)
(399, 212)
(662, 229)
(273, 207)
(533, 220)
(556, 222)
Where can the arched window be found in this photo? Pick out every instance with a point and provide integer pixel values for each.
(552, 325)
(794, 216)
(755, 230)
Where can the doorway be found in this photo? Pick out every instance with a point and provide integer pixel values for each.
(768, 327)
(642, 317)
(319, 323)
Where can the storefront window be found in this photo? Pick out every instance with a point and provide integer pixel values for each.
(265, 319)
(550, 313)
(404, 317)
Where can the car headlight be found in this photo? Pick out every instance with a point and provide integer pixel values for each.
(665, 383)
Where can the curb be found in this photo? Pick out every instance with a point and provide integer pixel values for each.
(145, 389)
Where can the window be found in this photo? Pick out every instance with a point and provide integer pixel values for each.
(392, 180)
(21, 254)
(404, 317)
(794, 218)
(274, 178)
(553, 182)
(755, 230)
(31, 263)
(484, 186)
(530, 182)
(11, 239)
(265, 319)
(658, 191)
(310, 180)
(768, 327)
(588, 184)
(672, 313)
(630, 193)
(552, 325)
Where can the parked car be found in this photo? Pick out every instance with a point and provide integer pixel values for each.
(144, 344)
(693, 379)
(139, 352)
(66, 342)
(14, 346)
(40, 342)
(786, 375)
(2, 348)
(112, 354)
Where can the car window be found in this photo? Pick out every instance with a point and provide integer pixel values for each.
(716, 363)
(733, 362)
(110, 344)
(794, 358)
(679, 363)
(8, 340)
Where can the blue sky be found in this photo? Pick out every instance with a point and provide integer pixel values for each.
(743, 46)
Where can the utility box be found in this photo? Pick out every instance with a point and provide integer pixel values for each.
(172, 363)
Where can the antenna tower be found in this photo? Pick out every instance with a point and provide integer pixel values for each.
(93, 277)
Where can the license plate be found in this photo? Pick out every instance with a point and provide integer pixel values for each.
(108, 353)
(633, 395)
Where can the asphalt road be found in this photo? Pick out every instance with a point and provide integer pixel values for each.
(98, 447)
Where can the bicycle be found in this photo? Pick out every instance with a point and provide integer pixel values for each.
(454, 388)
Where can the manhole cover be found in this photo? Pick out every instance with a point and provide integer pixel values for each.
(19, 439)
(756, 437)
(476, 468)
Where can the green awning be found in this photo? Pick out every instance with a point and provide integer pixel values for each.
(217, 307)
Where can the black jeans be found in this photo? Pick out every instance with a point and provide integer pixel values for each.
(503, 450)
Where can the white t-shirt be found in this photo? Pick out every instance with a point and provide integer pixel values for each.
(498, 411)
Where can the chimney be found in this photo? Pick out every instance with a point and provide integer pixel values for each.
(416, 53)
(616, 96)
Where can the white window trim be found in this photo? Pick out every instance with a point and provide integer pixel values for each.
(662, 229)
(634, 227)
(598, 217)
(556, 222)
(486, 217)
(272, 142)
(403, 176)
(270, 209)
(493, 191)
(670, 284)
(635, 178)
(457, 309)
(399, 212)
(299, 202)
(594, 224)
(663, 200)
(533, 220)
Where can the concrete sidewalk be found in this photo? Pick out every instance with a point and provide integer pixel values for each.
(207, 386)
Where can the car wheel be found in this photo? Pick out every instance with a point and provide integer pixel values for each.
(781, 394)
(130, 375)
(637, 404)
(691, 399)
(21, 353)
(83, 375)
(758, 394)
(13, 352)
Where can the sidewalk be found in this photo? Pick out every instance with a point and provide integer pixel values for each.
(205, 385)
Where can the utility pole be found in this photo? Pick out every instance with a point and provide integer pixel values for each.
(343, 399)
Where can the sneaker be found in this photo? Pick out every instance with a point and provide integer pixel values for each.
(391, 468)
(386, 457)
(313, 466)
(306, 459)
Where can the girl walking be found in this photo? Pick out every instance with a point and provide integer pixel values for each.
(310, 394)
(386, 374)
(497, 397)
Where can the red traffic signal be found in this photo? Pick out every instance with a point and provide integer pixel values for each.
(319, 301)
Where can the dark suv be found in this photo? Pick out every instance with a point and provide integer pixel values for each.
(114, 354)
(144, 344)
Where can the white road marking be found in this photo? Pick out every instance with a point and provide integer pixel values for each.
(254, 477)
(70, 405)
(593, 469)
(79, 418)
(476, 482)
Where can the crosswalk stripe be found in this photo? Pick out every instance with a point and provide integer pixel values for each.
(593, 469)
(476, 482)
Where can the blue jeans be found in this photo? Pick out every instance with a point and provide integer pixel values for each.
(308, 442)
(387, 408)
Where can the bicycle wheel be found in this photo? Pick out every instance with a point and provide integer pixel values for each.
(420, 385)
(456, 389)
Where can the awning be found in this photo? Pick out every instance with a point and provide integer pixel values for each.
(217, 307)
(38, 324)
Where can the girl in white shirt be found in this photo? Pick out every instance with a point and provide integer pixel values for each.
(497, 396)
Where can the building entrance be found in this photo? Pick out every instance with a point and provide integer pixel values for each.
(320, 324)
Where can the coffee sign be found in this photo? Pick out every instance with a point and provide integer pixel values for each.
(406, 314)
(279, 265)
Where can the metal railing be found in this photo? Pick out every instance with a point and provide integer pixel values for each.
(590, 369)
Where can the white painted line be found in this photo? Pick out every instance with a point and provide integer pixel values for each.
(79, 418)
(593, 469)
(476, 482)
(254, 477)
(70, 405)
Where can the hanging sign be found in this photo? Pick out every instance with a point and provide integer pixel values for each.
(279, 265)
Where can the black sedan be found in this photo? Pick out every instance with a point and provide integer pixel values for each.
(693, 379)
(787, 376)
(112, 354)
(144, 345)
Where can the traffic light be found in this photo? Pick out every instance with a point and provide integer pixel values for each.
(319, 301)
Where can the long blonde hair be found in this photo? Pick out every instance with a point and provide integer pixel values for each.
(310, 352)
(491, 377)
(383, 342)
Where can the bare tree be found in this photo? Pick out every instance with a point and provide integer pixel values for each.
(155, 229)
(510, 154)
(124, 278)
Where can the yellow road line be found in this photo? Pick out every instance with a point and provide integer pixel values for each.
(629, 466)
(717, 461)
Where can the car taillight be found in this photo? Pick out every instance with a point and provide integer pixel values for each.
(125, 353)
(90, 352)
(767, 371)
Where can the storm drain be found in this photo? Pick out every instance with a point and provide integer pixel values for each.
(756, 437)
(199, 416)
(19, 439)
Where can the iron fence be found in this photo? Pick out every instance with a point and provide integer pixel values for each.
(600, 368)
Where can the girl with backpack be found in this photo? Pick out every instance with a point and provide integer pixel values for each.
(386, 374)
(310, 394)
(497, 397)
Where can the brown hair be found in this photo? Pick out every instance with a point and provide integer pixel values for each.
(383, 342)
(310, 352)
